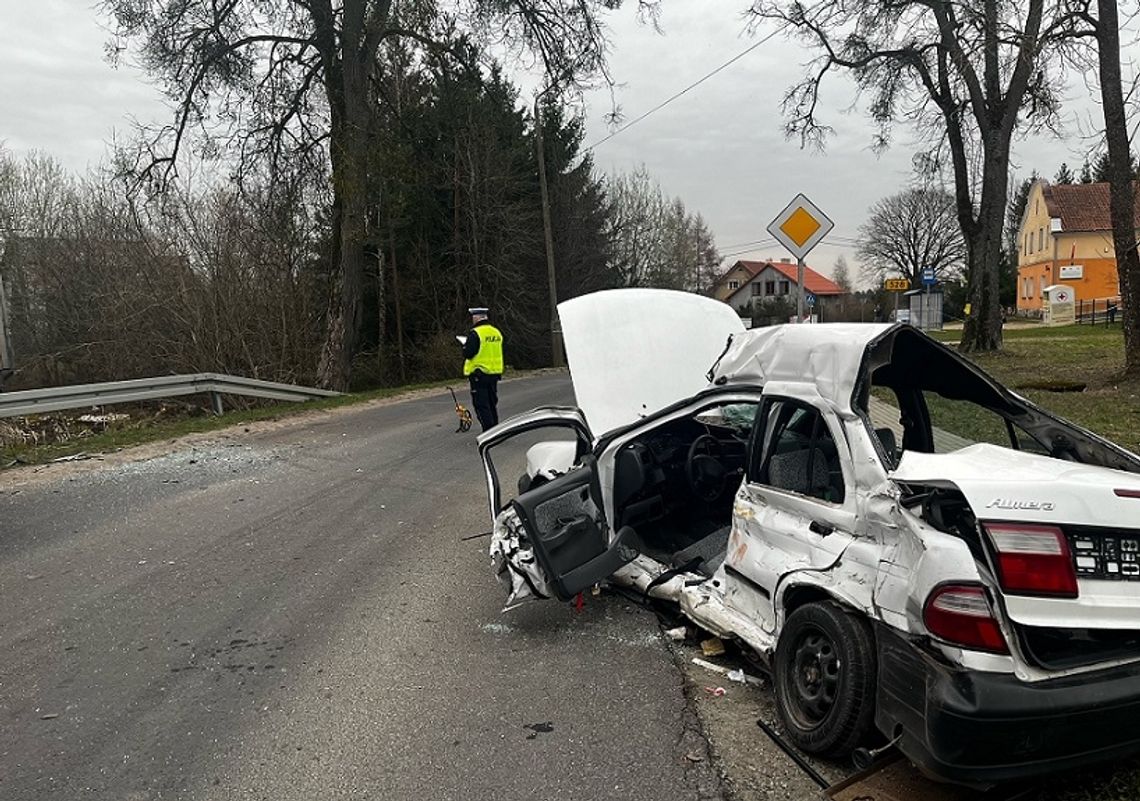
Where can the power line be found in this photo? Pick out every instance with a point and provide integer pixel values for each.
(691, 86)
(744, 247)
(731, 253)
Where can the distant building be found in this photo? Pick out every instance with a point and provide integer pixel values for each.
(1066, 238)
(748, 283)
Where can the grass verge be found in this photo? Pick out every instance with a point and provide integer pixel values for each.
(1092, 356)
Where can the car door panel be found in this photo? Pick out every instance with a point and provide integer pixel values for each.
(552, 417)
(777, 529)
(569, 534)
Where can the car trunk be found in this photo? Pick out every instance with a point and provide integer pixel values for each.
(1088, 516)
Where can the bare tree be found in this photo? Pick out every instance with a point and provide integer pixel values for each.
(909, 232)
(291, 80)
(656, 241)
(841, 274)
(971, 74)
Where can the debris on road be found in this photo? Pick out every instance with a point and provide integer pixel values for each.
(736, 675)
(75, 457)
(539, 728)
(895, 780)
(717, 692)
(712, 647)
(741, 677)
(678, 634)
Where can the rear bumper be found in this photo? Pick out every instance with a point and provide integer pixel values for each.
(981, 728)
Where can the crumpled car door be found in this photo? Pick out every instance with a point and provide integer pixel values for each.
(547, 417)
(553, 541)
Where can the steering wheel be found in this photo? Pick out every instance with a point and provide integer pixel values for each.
(703, 469)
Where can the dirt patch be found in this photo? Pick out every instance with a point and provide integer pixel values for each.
(1054, 386)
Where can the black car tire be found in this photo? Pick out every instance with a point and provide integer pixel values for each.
(825, 679)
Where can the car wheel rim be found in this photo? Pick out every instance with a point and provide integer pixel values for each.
(814, 680)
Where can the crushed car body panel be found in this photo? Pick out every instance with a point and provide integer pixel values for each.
(1004, 485)
(828, 357)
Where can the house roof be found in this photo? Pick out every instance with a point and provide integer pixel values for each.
(1082, 207)
(815, 283)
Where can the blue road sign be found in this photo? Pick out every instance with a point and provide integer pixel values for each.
(809, 299)
(928, 277)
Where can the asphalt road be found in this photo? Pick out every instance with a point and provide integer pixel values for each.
(291, 614)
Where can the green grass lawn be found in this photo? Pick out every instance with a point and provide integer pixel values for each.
(1089, 355)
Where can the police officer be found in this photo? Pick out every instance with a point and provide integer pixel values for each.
(483, 366)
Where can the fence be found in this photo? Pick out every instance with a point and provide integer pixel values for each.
(1104, 311)
(79, 396)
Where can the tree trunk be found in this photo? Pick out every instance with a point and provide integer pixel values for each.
(982, 331)
(348, 151)
(1121, 188)
(381, 294)
(399, 317)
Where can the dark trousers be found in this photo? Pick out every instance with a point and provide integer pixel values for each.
(485, 398)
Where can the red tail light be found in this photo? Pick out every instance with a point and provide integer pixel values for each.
(961, 614)
(1033, 560)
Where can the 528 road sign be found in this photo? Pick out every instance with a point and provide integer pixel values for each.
(896, 285)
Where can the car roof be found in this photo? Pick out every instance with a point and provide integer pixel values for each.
(828, 356)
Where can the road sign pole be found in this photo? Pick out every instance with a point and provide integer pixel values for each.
(800, 294)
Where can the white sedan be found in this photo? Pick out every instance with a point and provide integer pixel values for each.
(911, 547)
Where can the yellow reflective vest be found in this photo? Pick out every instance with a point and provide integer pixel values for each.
(489, 359)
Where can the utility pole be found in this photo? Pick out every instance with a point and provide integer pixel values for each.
(555, 327)
(6, 357)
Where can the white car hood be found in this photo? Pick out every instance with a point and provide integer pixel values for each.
(1004, 484)
(633, 352)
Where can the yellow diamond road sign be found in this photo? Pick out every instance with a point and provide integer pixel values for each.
(800, 226)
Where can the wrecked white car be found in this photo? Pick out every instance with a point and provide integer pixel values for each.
(908, 545)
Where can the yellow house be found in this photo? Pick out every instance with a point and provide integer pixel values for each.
(1066, 238)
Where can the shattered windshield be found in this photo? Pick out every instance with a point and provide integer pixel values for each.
(737, 416)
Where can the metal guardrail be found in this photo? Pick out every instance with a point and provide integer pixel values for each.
(78, 396)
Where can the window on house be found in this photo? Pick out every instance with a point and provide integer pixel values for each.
(1040, 238)
(757, 289)
(784, 287)
(734, 285)
(769, 287)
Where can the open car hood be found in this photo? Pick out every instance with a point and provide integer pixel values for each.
(633, 352)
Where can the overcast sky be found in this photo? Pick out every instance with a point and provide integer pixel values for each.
(720, 147)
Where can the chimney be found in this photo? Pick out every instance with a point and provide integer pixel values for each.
(785, 261)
